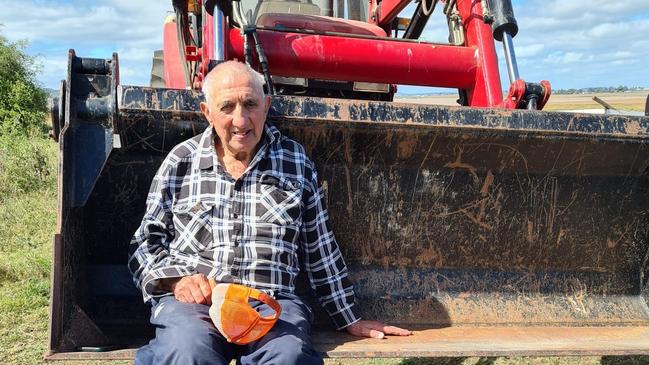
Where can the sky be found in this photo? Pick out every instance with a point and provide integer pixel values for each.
(571, 43)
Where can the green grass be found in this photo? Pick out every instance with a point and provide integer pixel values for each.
(27, 223)
(27, 219)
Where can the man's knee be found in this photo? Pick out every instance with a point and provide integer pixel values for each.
(294, 350)
(185, 335)
(192, 345)
(285, 349)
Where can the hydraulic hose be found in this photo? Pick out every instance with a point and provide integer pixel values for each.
(419, 20)
(263, 62)
(425, 9)
(246, 30)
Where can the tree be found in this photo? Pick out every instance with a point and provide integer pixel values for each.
(23, 104)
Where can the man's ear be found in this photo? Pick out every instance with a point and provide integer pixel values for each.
(206, 110)
(267, 102)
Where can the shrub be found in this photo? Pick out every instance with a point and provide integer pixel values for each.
(23, 104)
(26, 164)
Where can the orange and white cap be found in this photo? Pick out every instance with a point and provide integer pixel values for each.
(233, 316)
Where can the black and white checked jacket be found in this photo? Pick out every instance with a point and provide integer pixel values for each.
(256, 231)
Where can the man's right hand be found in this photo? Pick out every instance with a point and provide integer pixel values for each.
(189, 289)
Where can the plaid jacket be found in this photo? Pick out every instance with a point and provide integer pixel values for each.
(259, 230)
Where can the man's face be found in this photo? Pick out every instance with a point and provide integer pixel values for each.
(237, 112)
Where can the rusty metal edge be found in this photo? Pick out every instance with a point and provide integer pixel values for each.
(56, 310)
(358, 124)
(56, 292)
(370, 124)
(123, 354)
(186, 102)
(333, 344)
(129, 354)
(567, 135)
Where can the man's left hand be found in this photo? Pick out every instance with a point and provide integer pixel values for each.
(375, 329)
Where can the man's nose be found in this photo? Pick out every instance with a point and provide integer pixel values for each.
(239, 116)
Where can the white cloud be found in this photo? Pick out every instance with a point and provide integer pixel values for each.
(584, 44)
(99, 21)
(135, 54)
(567, 58)
(530, 50)
(574, 43)
(54, 69)
(93, 29)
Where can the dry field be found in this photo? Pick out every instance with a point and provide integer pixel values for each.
(622, 101)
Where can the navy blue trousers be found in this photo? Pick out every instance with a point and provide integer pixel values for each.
(185, 334)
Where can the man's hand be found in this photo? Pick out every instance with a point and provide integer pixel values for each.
(189, 289)
(375, 329)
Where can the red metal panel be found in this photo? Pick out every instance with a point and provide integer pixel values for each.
(208, 37)
(320, 24)
(174, 78)
(486, 90)
(388, 10)
(363, 59)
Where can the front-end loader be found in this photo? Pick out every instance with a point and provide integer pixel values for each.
(492, 228)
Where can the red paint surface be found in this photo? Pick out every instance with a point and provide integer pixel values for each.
(173, 71)
(486, 89)
(363, 59)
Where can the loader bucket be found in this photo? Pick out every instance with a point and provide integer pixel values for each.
(489, 232)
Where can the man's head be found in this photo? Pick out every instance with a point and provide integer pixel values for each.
(236, 107)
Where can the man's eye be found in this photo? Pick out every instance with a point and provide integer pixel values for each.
(250, 104)
(227, 107)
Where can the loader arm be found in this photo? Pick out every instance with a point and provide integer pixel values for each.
(469, 64)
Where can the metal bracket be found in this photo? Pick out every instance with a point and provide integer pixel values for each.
(455, 27)
(531, 96)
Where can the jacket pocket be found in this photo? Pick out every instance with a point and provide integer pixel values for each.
(280, 200)
(193, 226)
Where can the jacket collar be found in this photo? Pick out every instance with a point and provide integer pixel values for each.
(207, 153)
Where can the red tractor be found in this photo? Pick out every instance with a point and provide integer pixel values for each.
(348, 49)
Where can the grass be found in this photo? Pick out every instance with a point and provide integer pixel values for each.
(28, 218)
(27, 213)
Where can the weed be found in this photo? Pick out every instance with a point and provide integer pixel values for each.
(26, 164)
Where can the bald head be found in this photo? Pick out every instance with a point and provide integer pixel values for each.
(224, 74)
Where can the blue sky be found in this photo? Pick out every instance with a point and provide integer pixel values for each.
(571, 43)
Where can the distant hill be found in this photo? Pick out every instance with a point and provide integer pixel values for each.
(51, 93)
(586, 90)
(599, 90)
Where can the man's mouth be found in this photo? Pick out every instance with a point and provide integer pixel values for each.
(242, 133)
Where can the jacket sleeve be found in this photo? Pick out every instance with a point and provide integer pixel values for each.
(149, 258)
(323, 260)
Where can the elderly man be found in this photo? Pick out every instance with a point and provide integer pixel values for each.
(240, 203)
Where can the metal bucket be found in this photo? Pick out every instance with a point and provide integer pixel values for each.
(490, 232)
